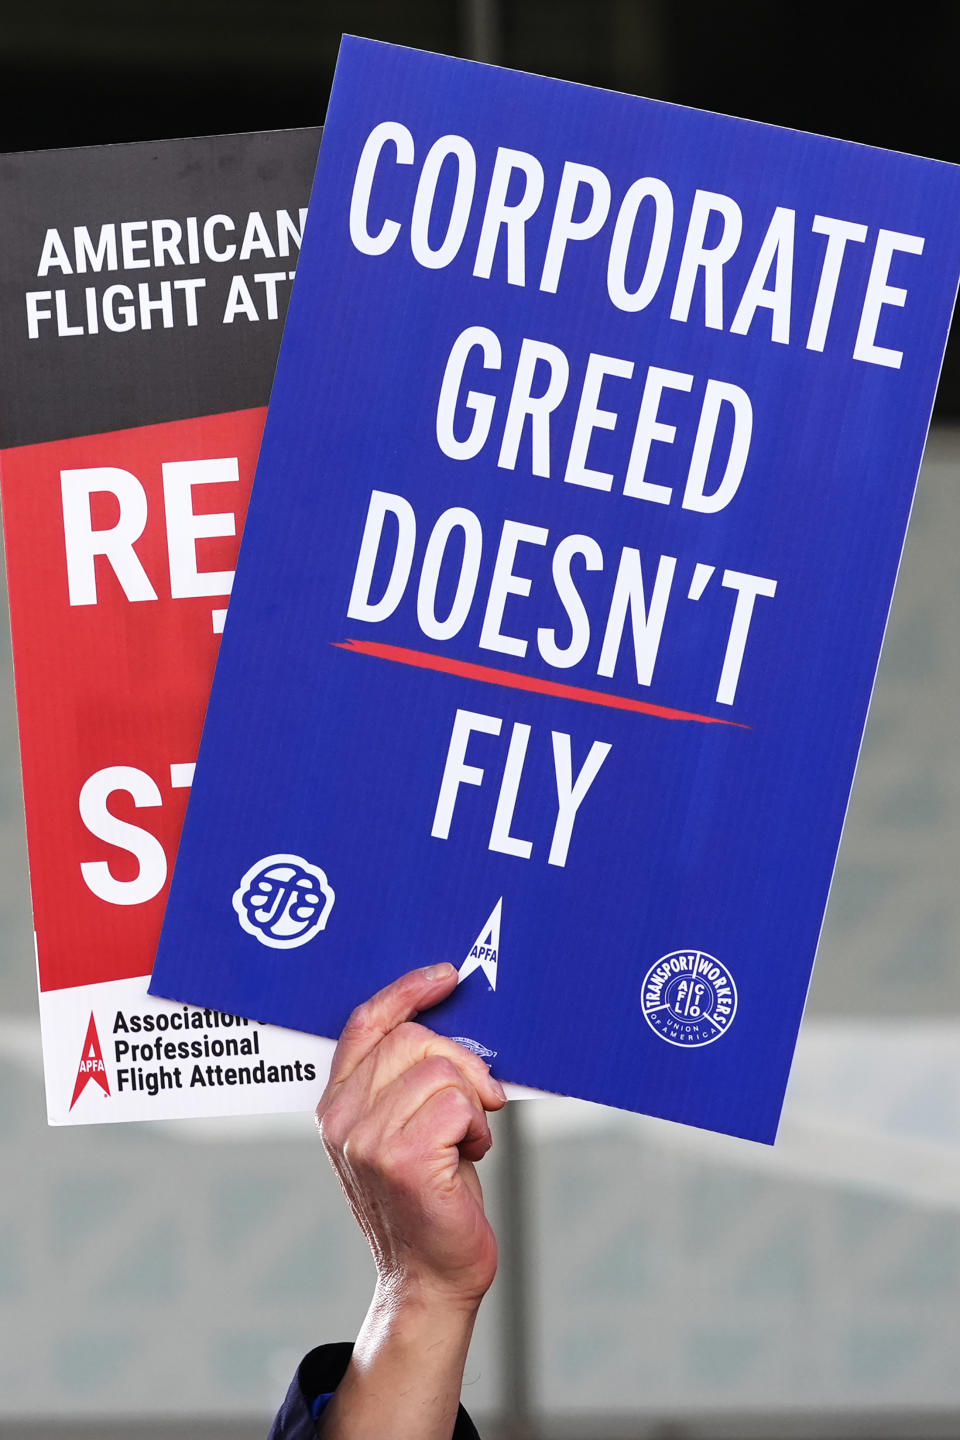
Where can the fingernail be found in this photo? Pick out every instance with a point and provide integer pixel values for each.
(498, 1089)
(436, 972)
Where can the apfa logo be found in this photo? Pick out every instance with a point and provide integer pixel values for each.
(91, 1064)
(485, 951)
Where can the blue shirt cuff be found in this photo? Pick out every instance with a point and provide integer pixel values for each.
(320, 1404)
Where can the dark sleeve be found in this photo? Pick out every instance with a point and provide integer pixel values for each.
(320, 1372)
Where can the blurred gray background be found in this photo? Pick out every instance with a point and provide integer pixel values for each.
(163, 1280)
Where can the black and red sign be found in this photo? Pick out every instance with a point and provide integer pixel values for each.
(142, 298)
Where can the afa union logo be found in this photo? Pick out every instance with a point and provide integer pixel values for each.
(91, 1065)
(689, 998)
(283, 901)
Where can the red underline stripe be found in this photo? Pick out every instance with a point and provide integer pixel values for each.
(447, 665)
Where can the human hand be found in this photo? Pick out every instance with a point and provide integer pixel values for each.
(403, 1122)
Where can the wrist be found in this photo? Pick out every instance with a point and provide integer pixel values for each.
(459, 1289)
(413, 1304)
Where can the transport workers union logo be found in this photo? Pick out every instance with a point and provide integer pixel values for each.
(283, 901)
(689, 998)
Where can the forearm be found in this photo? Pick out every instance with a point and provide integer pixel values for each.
(407, 1369)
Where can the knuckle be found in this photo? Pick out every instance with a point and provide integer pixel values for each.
(479, 1143)
(441, 1070)
(359, 1020)
(409, 1033)
(394, 1165)
(465, 1059)
(359, 1149)
(330, 1129)
(456, 1103)
(378, 1160)
(350, 1154)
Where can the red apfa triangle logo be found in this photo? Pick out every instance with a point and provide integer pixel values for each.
(91, 1064)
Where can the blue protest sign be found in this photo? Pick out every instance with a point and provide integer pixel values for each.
(579, 508)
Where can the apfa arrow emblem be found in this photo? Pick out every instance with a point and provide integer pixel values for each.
(91, 1064)
(485, 951)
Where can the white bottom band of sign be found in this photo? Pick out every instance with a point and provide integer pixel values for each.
(151, 1059)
